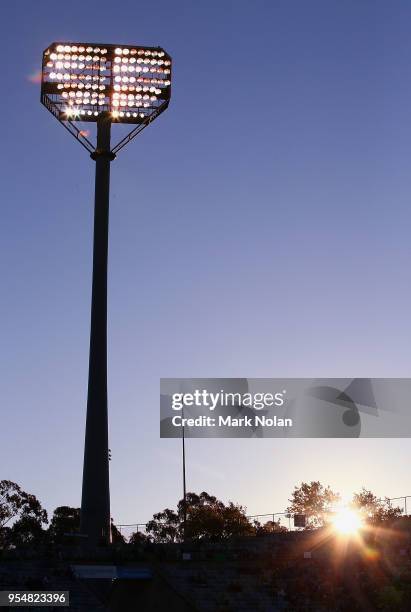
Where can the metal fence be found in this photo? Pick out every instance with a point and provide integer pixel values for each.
(282, 518)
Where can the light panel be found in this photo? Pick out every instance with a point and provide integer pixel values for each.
(82, 80)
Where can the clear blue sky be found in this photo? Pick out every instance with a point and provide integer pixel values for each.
(260, 228)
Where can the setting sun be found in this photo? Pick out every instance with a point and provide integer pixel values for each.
(347, 521)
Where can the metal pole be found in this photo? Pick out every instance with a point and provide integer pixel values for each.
(184, 485)
(95, 501)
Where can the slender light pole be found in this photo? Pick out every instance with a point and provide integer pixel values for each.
(102, 85)
(184, 486)
(95, 501)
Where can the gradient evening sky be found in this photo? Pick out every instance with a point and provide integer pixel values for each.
(261, 227)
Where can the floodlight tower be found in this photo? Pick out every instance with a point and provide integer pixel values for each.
(102, 85)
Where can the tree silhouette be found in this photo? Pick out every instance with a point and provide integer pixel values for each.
(315, 501)
(26, 512)
(208, 518)
(268, 528)
(138, 538)
(374, 510)
(16, 503)
(116, 535)
(64, 520)
(165, 527)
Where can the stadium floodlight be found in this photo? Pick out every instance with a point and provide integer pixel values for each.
(84, 84)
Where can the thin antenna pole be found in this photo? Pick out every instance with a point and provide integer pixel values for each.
(184, 485)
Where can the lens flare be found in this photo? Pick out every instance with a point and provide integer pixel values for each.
(35, 77)
(347, 521)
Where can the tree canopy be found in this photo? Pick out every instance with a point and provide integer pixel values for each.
(315, 501)
(268, 527)
(207, 518)
(374, 510)
(65, 520)
(26, 512)
(16, 503)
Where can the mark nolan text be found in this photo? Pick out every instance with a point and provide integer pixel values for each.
(229, 421)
